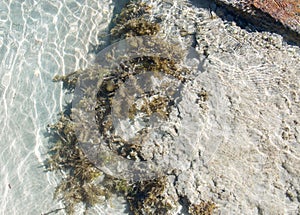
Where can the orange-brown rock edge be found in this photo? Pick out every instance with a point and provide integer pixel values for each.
(285, 11)
(279, 16)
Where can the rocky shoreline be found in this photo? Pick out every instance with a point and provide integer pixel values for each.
(282, 17)
(231, 133)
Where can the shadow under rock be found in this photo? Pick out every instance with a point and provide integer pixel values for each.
(259, 22)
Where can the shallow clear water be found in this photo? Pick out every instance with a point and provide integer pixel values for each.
(38, 39)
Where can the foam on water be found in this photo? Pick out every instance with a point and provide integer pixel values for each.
(38, 39)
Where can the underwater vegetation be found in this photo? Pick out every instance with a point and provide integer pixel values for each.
(78, 186)
(204, 208)
(133, 21)
(147, 197)
(82, 182)
(68, 80)
(149, 102)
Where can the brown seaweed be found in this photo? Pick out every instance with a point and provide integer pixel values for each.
(82, 181)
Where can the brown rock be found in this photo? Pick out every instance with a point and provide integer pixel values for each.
(285, 11)
(280, 16)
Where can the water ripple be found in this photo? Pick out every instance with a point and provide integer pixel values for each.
(38, 39)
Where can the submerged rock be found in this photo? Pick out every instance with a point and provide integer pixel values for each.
(224, 116)
(256, 90)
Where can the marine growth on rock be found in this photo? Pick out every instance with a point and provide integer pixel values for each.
(140, 91)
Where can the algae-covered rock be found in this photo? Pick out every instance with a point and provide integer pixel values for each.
(137, 82)
(208, 130)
